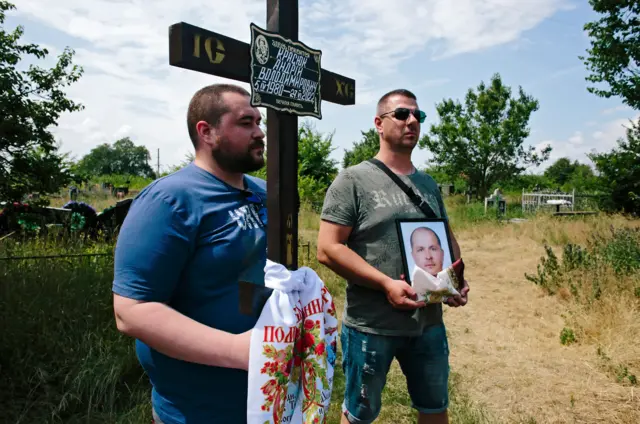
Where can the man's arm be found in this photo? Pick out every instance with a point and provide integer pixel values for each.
(457, 254)
(178, 336)
(464, 289)
(154, 245)
(333, 253)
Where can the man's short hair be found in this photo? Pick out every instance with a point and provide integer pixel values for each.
(207, 105)
(397, 92)
(424, 228)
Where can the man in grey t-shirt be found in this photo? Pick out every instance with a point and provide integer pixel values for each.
(358, 240)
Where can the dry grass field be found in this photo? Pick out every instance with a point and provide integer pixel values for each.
(508, 360)
(506, 344)
(559, 347)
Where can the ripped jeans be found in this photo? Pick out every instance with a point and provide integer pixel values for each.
(366, 359)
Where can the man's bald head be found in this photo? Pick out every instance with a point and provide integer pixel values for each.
(424, 230)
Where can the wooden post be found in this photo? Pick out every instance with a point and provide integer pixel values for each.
(282, 155)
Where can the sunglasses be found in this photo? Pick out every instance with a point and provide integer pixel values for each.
(257, 200)
(402, 114)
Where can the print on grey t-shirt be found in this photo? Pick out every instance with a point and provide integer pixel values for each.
(366, 199)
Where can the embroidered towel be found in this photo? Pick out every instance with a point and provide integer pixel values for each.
(293, 350)
(435, 289)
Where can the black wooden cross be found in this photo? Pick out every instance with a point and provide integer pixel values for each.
(205, 51)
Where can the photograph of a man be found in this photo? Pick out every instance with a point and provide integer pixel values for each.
(426, 250)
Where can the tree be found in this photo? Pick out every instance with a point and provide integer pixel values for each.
(362, 150)
(188, 158)
(483, 139)
(316, 170)
(614, 56)
(620, 171)
(36, 172)
(314, 152)
(582, 179)
(437, 174)
(31, 101)
(560, 171)
(569, 175)
(123, 158)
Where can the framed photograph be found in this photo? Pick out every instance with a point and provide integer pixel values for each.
(425, 243)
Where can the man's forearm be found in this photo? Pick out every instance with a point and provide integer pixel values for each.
(349, 265)
(454, 245)
(180, 337)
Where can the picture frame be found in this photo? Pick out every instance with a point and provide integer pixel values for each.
(432, 261)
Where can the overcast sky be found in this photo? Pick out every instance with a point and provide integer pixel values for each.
(436, 48)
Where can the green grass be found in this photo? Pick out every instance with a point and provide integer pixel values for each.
(62, 359)
(463, 215)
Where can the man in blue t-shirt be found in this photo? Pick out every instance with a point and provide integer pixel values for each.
(188, 240)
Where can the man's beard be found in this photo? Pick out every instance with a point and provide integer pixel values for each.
(238, 162)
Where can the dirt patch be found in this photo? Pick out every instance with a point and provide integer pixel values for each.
(506, 343)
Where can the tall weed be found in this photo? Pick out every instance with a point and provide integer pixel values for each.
(601, 283)
(61, 357)
(616, 253)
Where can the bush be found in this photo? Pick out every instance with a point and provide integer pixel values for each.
(617, 253)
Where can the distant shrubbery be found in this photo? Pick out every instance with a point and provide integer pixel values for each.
(132, 182)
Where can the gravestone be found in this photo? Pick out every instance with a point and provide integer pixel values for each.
(471, 194)
(73, 192)
(502, 207)
(446, 189)
(495, 200)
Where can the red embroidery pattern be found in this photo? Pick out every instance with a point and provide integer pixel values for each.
(306, 360)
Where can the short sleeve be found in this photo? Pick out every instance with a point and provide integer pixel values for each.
(152, 248)
(340, 202)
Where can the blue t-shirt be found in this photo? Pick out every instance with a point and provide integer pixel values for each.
(187, 240)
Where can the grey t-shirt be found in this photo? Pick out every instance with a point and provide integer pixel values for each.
(366, 199)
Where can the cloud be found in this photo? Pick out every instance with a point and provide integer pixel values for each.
(431, 83)
(576, 147)
(564, 72)
(614, 110)
(577, 139)
(129, 88)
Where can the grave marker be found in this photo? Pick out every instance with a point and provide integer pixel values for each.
(296, 89)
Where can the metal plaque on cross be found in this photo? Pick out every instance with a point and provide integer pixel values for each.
(285, 75)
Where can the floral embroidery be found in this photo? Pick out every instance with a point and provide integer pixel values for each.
(275, 389)
(293, 351)
(306, 359)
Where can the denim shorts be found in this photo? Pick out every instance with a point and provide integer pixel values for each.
(366, 359)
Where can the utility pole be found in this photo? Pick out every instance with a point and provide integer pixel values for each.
(158, 174)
